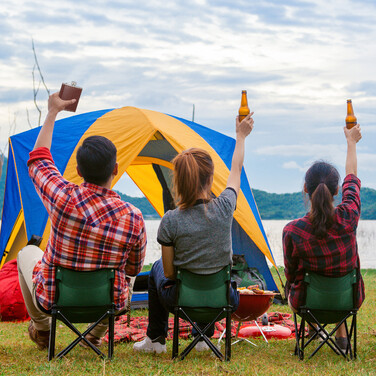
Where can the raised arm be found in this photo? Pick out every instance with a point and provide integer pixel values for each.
(243, 129)
(55, 105)
(353, 135)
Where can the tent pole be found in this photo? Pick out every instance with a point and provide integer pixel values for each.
(280, 279)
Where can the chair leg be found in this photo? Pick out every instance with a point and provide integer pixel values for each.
(297, 350)
(201, 335)
(299, 337)
(111, 332)
(327, 340)
(51, 344)
(354, 321)
(188, 349)
(175, 341)
(228, 336)
(348, 337)
(80, 336)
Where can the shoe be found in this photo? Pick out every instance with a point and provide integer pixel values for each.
(342, 343)
(97, 342)
(40, 337)
(149, 345)
(320, 335)
(202, 346)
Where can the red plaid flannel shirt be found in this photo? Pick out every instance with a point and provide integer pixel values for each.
(91, 228)
(334, 256)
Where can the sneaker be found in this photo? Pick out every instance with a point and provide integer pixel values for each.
(40, 337)
(320, 335)
(148, 345)
(97, 342)
(342, 343)
(202, 346)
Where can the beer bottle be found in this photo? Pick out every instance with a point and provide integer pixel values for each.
(350, 118)
(244, 109)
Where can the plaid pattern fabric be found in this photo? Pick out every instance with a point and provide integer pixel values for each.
(91, 228)
(136, 330)
(334, 256)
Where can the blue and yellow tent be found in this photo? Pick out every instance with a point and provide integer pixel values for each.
(146, 142)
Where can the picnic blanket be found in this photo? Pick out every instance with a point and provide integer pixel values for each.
(136, 330)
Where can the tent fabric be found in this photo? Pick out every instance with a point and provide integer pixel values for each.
(145, 140)
(12, 305)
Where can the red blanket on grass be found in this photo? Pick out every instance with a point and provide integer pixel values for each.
(136, 331)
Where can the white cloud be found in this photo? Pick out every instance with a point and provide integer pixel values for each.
(292, 165)
(302, 150)
(299, 61)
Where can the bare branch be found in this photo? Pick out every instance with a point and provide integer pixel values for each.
(37, 64)
(28, 118)
(35, 92)
(12, 125)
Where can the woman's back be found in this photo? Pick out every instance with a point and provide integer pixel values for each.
(336, 253)
(201, 234)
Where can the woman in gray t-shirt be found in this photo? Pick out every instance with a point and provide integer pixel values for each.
(194, 236)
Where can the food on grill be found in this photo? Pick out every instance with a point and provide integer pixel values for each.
(250, 290)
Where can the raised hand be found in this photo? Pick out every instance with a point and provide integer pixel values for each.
(56, 104)
(244, 128)
(354, 134)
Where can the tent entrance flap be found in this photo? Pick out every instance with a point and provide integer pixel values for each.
(17, 240)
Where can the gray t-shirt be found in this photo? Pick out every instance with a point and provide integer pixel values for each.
(201, 235)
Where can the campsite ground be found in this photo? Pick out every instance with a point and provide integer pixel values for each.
(19, 356)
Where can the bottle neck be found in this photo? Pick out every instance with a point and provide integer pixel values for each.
(244, 101)
(350, 110)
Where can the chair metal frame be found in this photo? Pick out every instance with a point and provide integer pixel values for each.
(59, 312)
(317, 317)
(218, 313)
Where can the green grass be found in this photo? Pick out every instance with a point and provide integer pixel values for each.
(19, 356)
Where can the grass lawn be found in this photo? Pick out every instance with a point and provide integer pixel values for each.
(19, 356)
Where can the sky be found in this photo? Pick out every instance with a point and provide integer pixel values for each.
(298, 60)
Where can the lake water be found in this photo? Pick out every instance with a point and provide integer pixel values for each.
(273, 229)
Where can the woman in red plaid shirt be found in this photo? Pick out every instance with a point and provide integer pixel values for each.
(324, 240)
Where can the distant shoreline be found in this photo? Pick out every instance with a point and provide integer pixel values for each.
(273, 206)
(366, 238)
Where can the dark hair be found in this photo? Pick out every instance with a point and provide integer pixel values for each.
(193, 170)
(321, 182)
(96, 159)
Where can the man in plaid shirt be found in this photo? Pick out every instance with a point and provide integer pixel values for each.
(91, 227)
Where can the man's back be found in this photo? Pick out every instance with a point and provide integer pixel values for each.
(91, 228)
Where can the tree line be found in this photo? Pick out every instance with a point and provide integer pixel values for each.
(270, 205)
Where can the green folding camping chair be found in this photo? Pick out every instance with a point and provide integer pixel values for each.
(83, 297)
(203, 298)
(328, 301)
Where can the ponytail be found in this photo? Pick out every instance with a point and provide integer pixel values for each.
(321, 182)
(193, 170)
(322, 210)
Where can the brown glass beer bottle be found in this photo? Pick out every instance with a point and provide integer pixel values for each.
(244, 109)
(350, 118)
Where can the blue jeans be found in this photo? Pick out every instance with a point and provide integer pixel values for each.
(162, 299)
